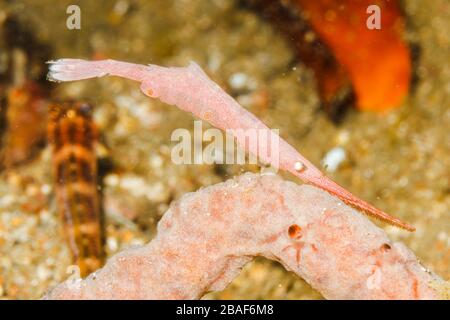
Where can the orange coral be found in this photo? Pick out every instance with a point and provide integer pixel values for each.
(377, 61)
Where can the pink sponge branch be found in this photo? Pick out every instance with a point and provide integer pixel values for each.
(206, 237)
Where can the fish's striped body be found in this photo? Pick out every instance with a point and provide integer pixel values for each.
(73, 135)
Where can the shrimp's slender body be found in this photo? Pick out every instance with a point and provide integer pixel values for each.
(191, 90)
(72, 135)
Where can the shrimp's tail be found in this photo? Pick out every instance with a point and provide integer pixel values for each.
(78, 69)
(73, 69)
(333, 188)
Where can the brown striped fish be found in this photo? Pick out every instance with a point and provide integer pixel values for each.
(73, 135)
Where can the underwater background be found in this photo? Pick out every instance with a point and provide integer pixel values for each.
(398, 160)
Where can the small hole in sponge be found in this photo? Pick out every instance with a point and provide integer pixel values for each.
(294, 231)
(386, 246)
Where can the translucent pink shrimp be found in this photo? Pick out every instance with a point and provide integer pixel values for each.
(190, 89)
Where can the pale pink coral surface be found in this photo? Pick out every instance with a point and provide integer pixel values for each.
(206, 237)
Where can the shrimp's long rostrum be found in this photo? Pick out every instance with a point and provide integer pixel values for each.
(191, 90)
